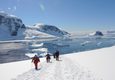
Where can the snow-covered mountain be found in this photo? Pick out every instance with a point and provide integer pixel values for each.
(111, 32)
(50, 29)
(11, 27)
(33, 33)
(38, 31)
(96, 33)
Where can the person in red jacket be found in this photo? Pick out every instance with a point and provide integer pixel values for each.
(35, 60)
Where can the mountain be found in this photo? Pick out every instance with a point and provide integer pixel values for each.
(50, 29)
(33, 33)
(11, 27)
(97, 33)
(38, 31)
(111, 32)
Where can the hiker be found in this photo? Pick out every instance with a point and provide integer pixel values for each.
(54, 55)
(48, 58)
(36, 60)
(57, 55)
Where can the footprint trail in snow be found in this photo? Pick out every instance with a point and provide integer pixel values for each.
(64, 69)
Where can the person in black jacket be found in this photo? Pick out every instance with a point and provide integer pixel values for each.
(48, 58)
(54, 55)
(57, 55)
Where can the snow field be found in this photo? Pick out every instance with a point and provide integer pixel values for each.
(64, 69)
(89, 65)
(100, 62)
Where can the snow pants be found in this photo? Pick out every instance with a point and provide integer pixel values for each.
(36, 65)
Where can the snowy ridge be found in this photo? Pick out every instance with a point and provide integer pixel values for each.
(33, 33)
(49, 29)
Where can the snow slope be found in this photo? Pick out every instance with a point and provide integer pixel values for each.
(100, 61)
(90, 65)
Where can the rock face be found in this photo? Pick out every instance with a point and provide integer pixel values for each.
(97, 33)
(10, 26)
(49, 29)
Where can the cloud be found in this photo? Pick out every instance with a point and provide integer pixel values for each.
(14, 7)
(9, 8)
(42, 7)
